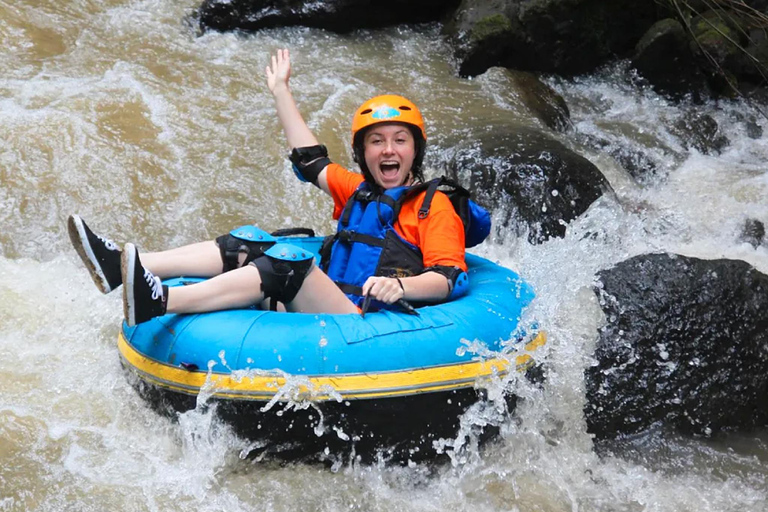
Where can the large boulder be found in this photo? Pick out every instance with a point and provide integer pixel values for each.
(721, 50)
(663, 56)
(716, 33)
(638, 163)
(532, 181)
(335, 15)
(733, 46)
(541, 100)
(685, 345)
(556, 36)
(750, 64)
(527, 90)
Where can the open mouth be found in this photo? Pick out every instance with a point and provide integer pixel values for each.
(389, 168)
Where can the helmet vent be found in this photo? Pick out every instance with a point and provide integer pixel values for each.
(366, 111)
(403, 107)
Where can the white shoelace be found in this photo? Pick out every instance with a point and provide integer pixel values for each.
(112, 246)
(154, 283)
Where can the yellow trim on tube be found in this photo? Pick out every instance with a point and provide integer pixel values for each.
(264, 387)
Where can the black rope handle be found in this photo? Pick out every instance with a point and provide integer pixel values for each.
(294, 232)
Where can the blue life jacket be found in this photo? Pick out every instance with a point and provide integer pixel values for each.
(366, 243)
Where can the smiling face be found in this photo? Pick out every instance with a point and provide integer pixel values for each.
(389, 153)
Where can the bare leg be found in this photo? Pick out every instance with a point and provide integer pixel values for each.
(237, 288)
(202, 259)
(319, 294)
(241, 288)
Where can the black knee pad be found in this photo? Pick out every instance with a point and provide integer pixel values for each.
(283, 268)
(246, 239)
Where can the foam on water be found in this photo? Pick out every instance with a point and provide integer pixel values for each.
(160, 137)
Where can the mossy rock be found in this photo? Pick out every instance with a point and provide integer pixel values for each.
(718, 42)
(567, 37)
(717, 34)
(664, 58)
(719, 19)
(495, 25)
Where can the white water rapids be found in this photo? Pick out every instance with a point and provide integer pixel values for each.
(116, 110)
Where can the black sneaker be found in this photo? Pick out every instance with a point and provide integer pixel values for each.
(144, 295)
(100, 255)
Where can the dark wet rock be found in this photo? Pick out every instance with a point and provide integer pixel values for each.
(542, 101)
(485, 35)
(685, 346)
(760, 5)
(753, 232)
(639, 164)
(756, 96)
(708, 49)
(716, 34)
(750, 64)
(335, 15)
(732, 47)
(700, 131)
(558, 36)
(664, 58)
(535, 182)
(525, 88)
(754, 130)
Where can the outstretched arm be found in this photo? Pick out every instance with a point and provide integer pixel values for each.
(296, 130)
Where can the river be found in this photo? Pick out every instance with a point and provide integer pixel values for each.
(119, 111)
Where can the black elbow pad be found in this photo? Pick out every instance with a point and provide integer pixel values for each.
(308, 162)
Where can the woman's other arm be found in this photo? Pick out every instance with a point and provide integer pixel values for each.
(296, 130)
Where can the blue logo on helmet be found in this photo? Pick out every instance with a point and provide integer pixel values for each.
(386, 113)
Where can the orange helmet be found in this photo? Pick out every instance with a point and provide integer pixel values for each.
(388, 108)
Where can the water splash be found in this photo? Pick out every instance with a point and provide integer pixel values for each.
(165, 138)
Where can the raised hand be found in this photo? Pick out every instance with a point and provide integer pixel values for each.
(279, 71)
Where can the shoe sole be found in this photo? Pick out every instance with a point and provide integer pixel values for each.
(127, 267)
(79, 240)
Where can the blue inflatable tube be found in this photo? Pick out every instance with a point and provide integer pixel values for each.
(179, 350)
(386, 366)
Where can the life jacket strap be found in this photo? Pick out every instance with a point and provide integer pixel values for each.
(476, 219)
(349, 288)
(431, 189)
(365, 196)
(352, 236)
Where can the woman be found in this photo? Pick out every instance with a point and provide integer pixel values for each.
(391, 244)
